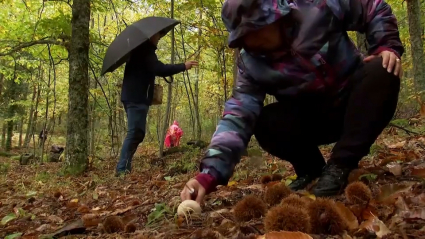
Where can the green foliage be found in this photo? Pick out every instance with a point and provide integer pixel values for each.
(187, 162)
(369, 177)
(160, 211)
(4, 167)
(43, 176)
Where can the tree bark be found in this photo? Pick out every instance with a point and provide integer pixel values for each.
(361, 42)
(3, 135)
(416, 43)
(196, 96)
(93, 124)
(30, 119)
(169, 93)
(76, 156)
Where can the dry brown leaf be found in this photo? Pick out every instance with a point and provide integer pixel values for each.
(43, 228)
(419, 170)
(285, 235)
(394, 168)
(55, 219)
(390, 192)
(346, 236)
(397, 145)
(90, 220)
(352, 221)
(376, 226)
(415, 213)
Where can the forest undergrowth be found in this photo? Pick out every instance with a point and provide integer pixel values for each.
(386, 198)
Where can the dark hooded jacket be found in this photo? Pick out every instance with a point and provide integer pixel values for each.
(140, 72)
(319, 61)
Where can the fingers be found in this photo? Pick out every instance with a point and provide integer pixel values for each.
(397, 70)
(392, 62)
(200, 196)
(385, 59)
(185, 194)
(369, 58)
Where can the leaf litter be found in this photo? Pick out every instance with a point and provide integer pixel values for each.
(36, 201)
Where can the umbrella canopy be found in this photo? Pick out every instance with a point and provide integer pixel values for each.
(132, 37)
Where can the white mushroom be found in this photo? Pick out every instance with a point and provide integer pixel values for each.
(188, 207)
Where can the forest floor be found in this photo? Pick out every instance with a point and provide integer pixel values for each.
(36, 200)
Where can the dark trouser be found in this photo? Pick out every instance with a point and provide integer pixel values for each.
(292, 129)
(136, 120)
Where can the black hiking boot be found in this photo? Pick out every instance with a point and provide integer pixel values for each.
(300, 183)
(332, 182)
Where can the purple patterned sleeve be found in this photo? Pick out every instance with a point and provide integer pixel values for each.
(234, 130)
(373, 17)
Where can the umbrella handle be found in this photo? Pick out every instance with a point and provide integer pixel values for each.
(169, 82)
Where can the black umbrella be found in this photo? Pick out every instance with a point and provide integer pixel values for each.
(132, 37)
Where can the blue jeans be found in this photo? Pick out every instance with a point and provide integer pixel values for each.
(136, 120)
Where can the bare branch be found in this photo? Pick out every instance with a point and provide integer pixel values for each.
(32, 43)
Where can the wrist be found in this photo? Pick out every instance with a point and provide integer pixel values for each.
(207, 181)
(382, 48)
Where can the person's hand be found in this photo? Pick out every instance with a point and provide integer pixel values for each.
(390, 61)
(193, 190)
(190, 64)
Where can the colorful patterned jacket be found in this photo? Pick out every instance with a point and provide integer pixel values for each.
(319, 61)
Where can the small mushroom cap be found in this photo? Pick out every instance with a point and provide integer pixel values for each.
(188, 207)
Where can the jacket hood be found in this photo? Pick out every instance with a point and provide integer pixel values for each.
(243, 16)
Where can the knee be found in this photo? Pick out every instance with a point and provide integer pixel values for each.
(375, 70)
(136, 135)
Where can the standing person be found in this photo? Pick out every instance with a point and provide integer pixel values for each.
(137, 93)
(300, 52)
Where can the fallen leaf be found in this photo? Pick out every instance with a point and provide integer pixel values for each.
(418, 170)
(285, 235)
(8, 218)
(394, 168)
(376, 226)
(43, 228)
(397, 145)
(74, 200)
(55, 219)
(390, 192)
(346, 236)
(95, 195)
(232, 183)
(415, 213)
(351, 220)
(74, 227)
(31, 193)
(14, 235)
(90, 220)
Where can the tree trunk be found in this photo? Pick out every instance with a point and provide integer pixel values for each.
(417, 50)
(361, 42)
(12, 93)
(170, 92)
(21, 129)
(93, 123)
(9, 131)
(1, 83)
(196, 96)
(3, 135)
(78, 124)
(30, 119)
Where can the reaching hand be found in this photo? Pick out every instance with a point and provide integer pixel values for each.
(390, 61)
(193, 190)
(190, 64)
